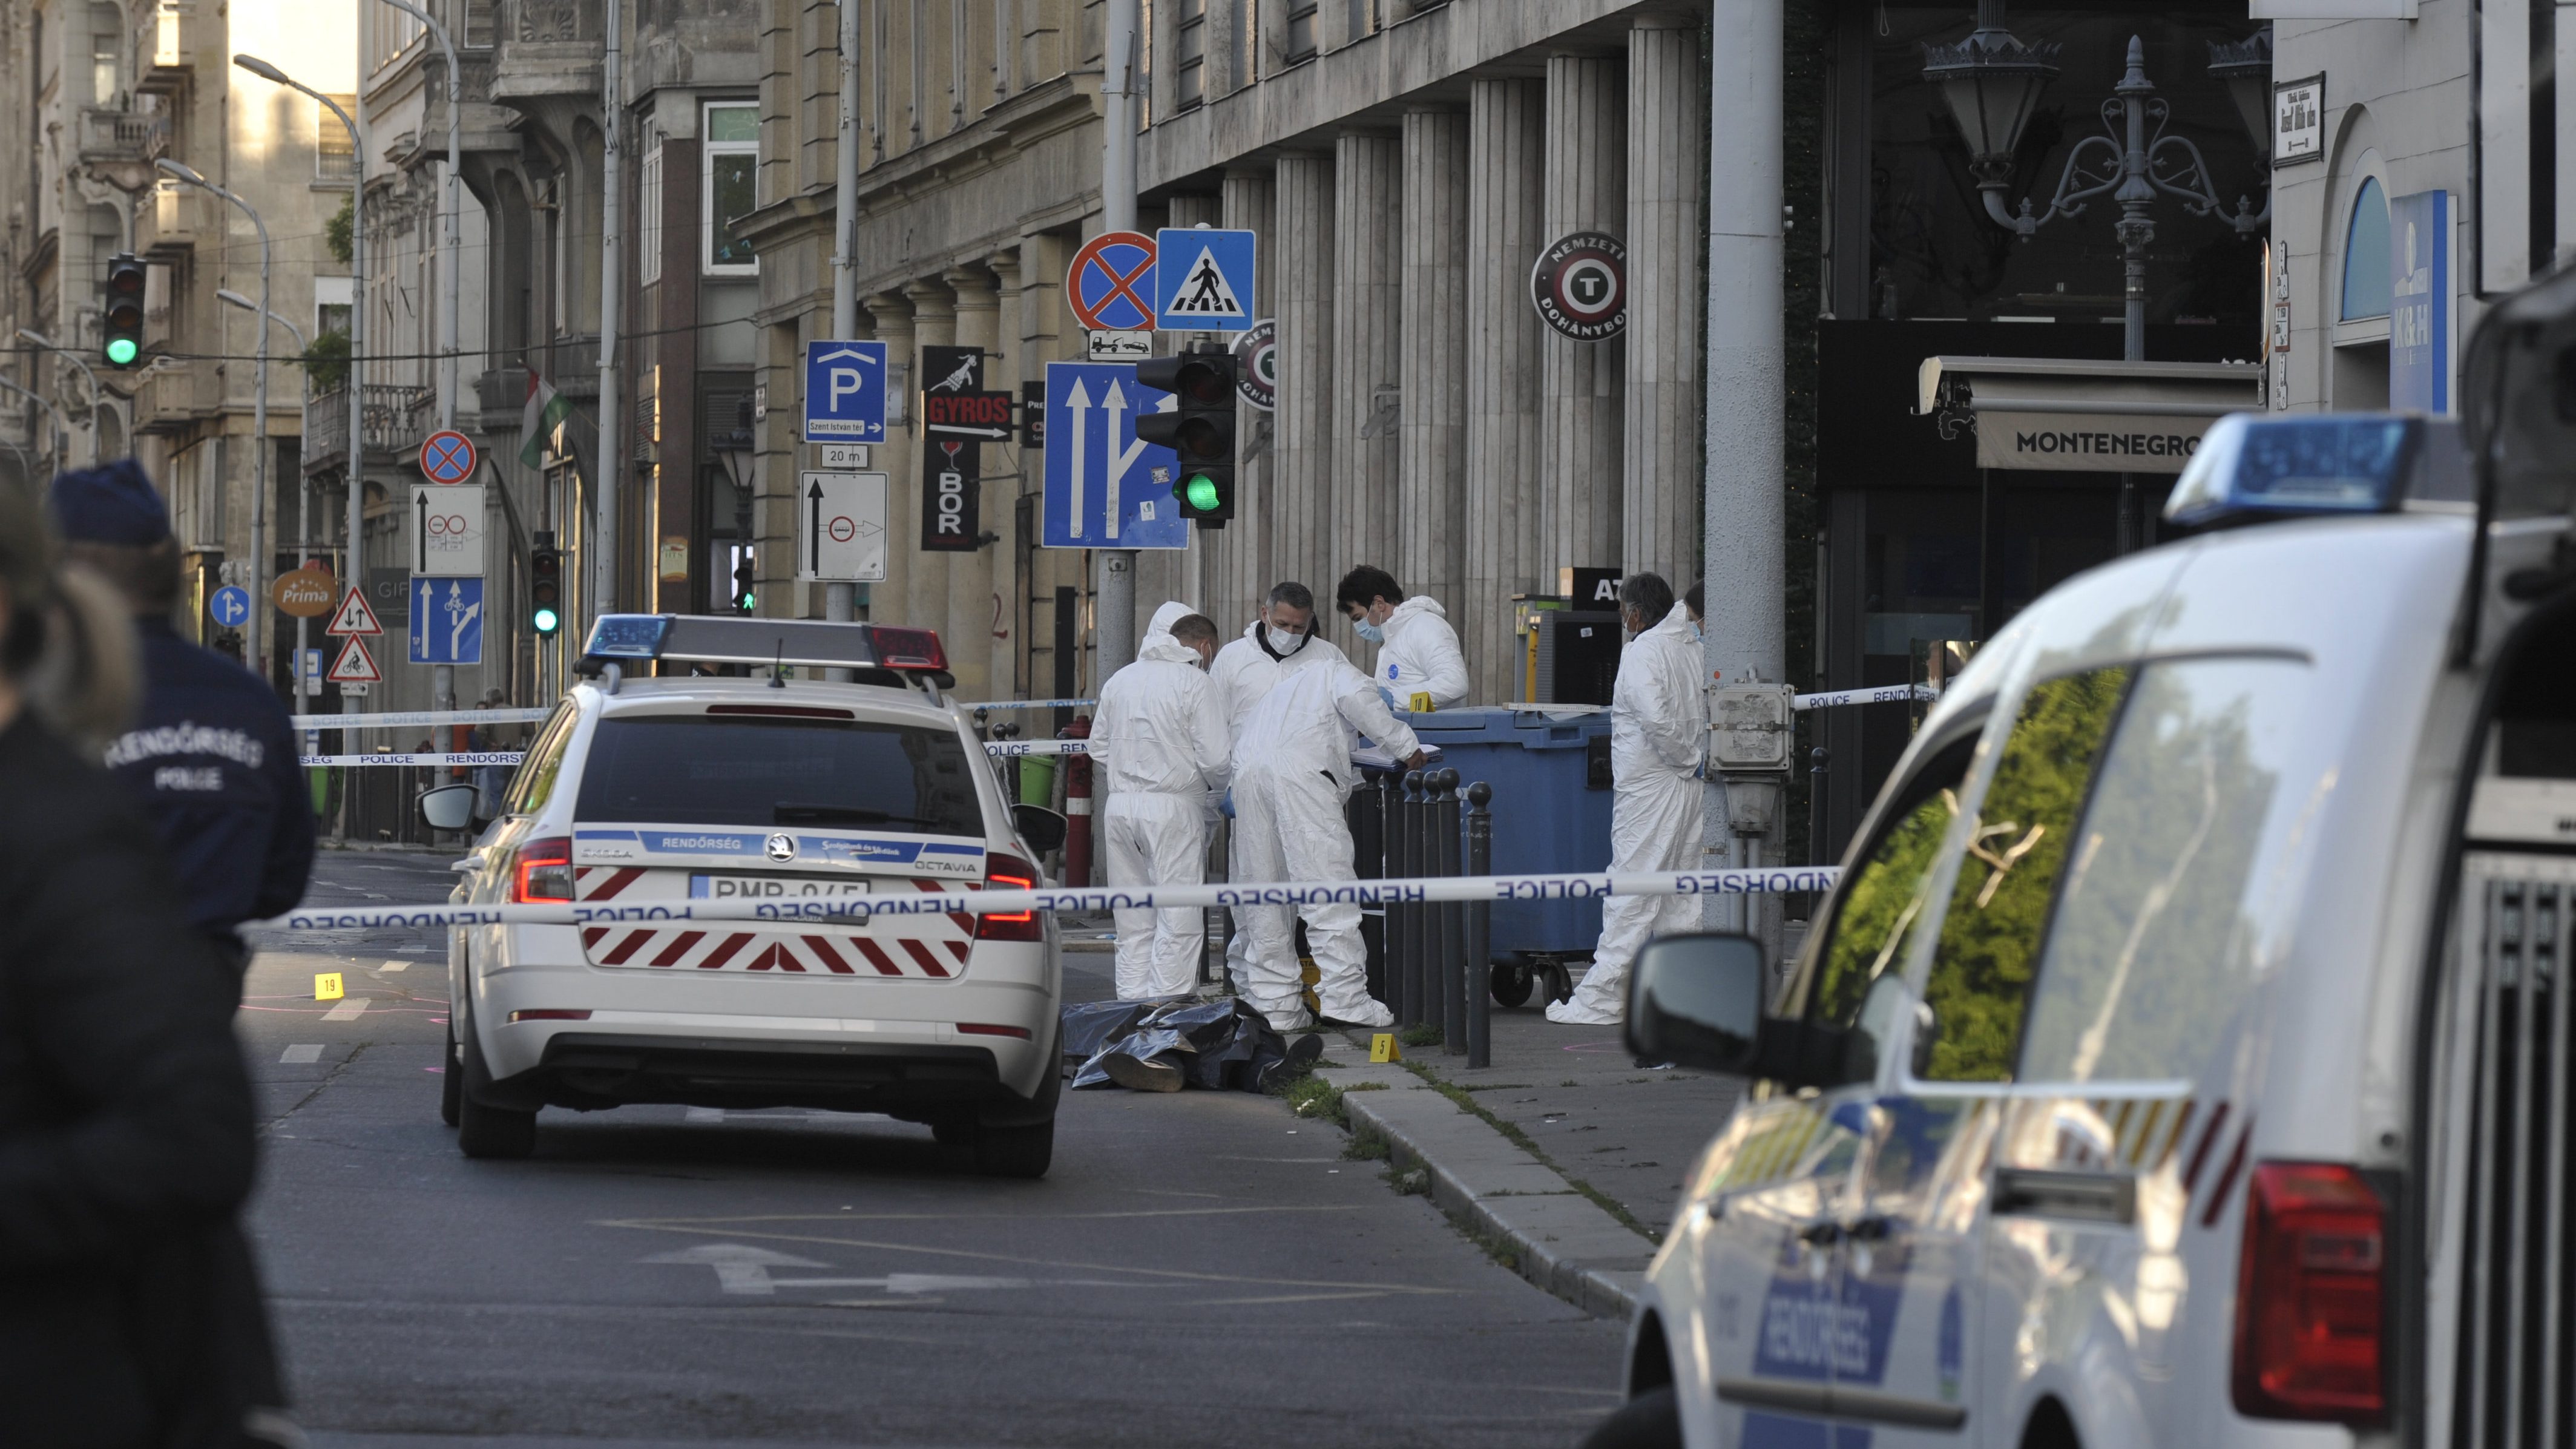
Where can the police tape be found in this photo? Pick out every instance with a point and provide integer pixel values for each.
(434, 761)
(1784, 880)
(998, 749)
(419, 717)
(1883, 694)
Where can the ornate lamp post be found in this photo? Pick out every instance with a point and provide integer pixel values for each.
(1992, 83)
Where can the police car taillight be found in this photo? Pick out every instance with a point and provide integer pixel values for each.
(2312, 1296)
(542, 871)
(1009, 873)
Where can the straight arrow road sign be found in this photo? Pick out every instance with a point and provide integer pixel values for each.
(1105, 488)
(447, 529)
(841, 527)
(446, 625)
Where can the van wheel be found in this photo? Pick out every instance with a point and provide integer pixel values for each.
(451, 1081)
(1015, 1151)
(1652, 1420)
(1511, 984)
(483, 1131)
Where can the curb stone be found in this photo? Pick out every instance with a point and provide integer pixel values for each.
(1559, 1239)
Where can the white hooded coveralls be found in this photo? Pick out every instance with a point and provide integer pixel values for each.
(1243, 673)
(1292, 776)
(1658, 733)
(1158, 745)
(1420, 655)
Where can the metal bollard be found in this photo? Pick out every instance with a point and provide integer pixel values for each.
(1390, 928)
(1435, 939)
(1453, 925)
(1480, 928)
(1816, 805)
(1411, 1014)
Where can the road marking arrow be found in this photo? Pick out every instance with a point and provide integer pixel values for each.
(1078, 402)
(1119, 459)
(740, 1268)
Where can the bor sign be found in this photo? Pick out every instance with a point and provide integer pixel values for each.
(447, 530)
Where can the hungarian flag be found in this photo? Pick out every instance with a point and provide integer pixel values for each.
(550, 422)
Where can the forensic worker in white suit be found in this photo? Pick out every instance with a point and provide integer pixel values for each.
(1417, 651)
(1159, 747)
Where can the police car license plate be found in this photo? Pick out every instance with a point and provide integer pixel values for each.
(770, 887)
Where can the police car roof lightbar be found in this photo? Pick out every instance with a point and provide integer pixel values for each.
(716, 639)
(2252, 468)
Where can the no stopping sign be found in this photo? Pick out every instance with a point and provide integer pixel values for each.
(1580, 285)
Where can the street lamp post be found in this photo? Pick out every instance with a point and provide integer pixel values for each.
(62, 429)
(47, 343)
(357, 442)
(255, 644)
(303, 509)
(1992, 83)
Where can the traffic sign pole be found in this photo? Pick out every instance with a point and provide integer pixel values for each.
(1114, 643)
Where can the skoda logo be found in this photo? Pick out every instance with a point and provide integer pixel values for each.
(782, 847)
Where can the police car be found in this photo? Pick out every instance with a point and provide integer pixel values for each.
(2186, 1056)
(676, 786)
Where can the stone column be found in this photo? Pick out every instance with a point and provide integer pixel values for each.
(1002, 373)
(1300, 521)
(969, 626)
(1432, 492)
(1048, 332)
(1664, 451)
(1368, 265)
(924, 602)
(1506, 473)
(888, 602)
(1587, 169)
(1240, 560)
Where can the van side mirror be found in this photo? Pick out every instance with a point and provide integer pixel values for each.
(447, 807)
(1042, 828)
(1696, 1001)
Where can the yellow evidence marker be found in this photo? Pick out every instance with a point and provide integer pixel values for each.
(1382, 1047)
(326, 986)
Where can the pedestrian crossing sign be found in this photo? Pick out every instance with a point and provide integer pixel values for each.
(1203, 279)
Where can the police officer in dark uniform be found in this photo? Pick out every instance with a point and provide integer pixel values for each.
(212, 754)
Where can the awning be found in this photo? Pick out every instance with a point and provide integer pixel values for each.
(2088, 417)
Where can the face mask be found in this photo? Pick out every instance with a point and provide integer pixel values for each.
(1284, 643)
(1374, 633)
(1697, 634)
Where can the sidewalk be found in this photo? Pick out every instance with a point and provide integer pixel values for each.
(1563, 1157)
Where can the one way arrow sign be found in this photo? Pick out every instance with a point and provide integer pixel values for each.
(841, 527)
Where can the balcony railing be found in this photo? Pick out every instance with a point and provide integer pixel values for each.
(110, 136)
(395, 419)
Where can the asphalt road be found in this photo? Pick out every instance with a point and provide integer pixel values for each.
(1201, 1268)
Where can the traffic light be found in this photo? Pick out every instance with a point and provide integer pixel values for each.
(545, 585)
(1201, 430)
(744, 598)
(122, 339)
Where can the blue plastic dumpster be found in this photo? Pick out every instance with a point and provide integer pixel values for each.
(1550, 772)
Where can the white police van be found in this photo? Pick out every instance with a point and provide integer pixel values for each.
(2185, 1056)
(686, 786)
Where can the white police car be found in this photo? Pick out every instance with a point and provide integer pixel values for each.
(2186, 1056)
(679, 787)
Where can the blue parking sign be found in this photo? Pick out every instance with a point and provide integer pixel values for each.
(1104, 488)
(446, 620)
(1203, 279)
(845, 392)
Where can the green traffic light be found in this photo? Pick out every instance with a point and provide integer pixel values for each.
(1201, 492)
(547, 620)
(122, 350)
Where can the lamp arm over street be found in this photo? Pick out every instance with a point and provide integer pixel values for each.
(2075, 187)
(2190, 185)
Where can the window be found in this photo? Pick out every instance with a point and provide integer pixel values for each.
(1877, 908)
(335, 155)
(732, 188)
(1981, 969)
(1298, 41)
(477, 27)
(2366, 290)
(1189, 38)
(2153, 948)
(106, 53)
(693, 770)
(534, 785)
(648, 221)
